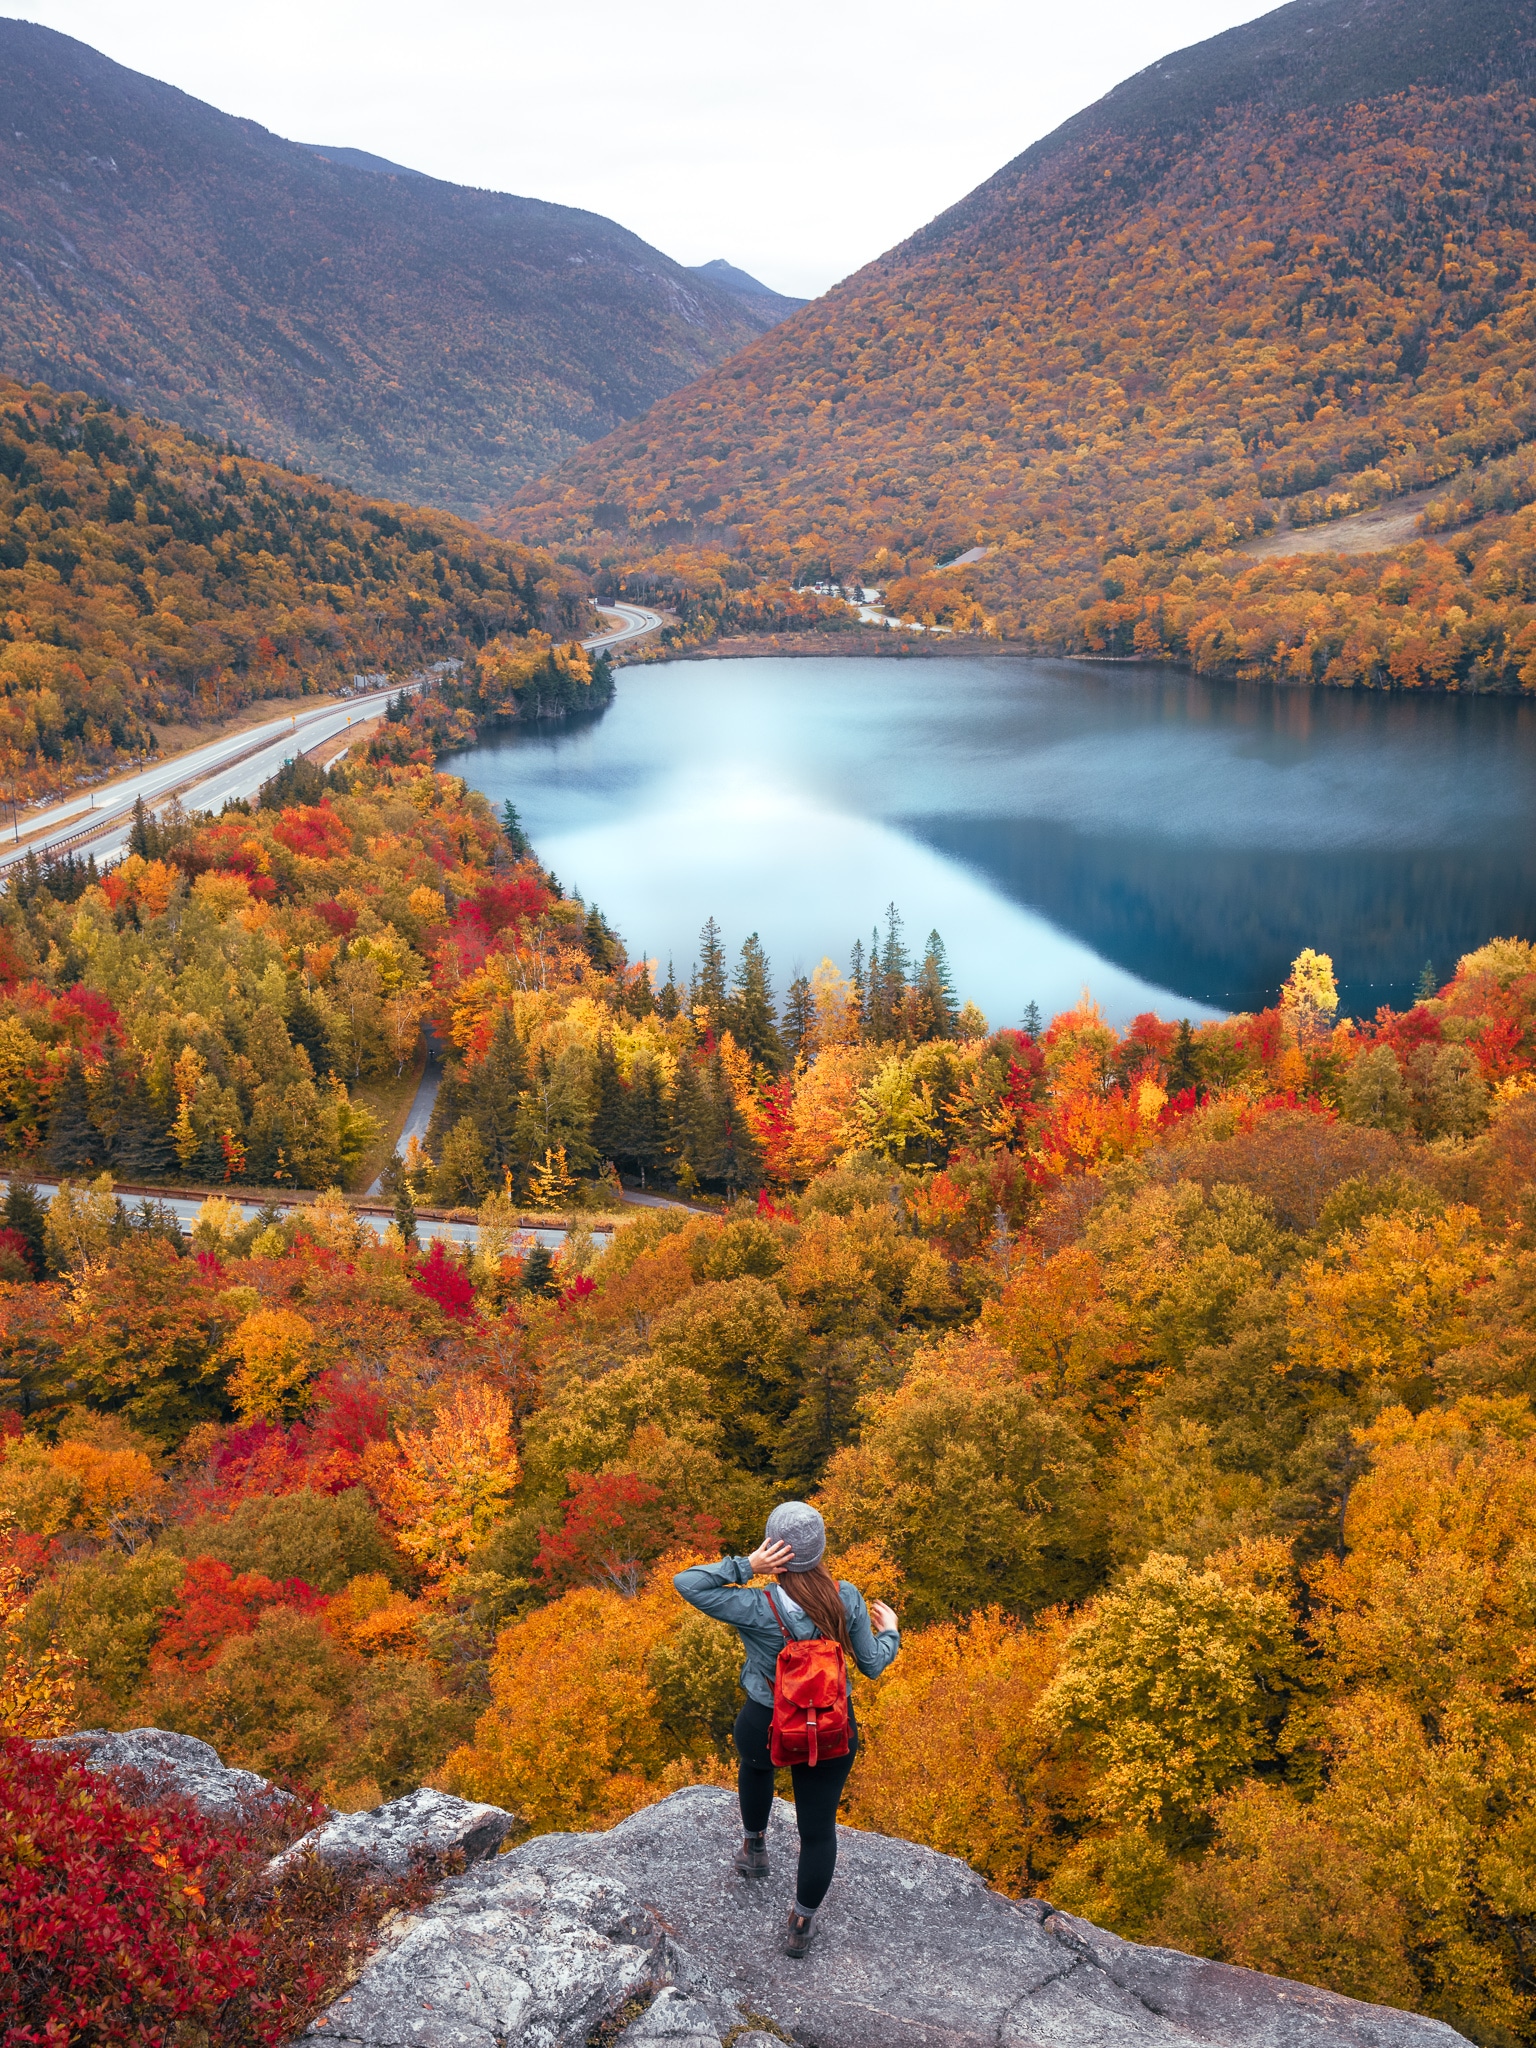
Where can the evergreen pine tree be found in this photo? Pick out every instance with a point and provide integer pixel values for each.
(895, 967)
(751, 1015)
(405, 1211)
(1428, 987)
(539, 1271)
(877, 1008)
(602, 941)
(25, 1214)
(645, 1116)
(692, 1125)
(1183, 1065)
(708, 991)
(74, 1144)
(143, 835)
(859, 982)
(936, 991)
(496, 1093)
(639, 997)
(306, 1027)
(799, 1017)
(512, 827)
(1033, 1021)
(610, 1124)
(451, 1103)
(669, 997)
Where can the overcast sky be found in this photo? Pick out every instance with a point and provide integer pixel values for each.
(797, 140)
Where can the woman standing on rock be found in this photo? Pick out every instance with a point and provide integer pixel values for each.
(810, 1603)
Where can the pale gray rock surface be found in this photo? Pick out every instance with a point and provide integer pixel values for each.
(912, 1950)
(389, 1836)
(167, 1763)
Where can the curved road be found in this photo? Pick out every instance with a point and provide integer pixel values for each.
(634, 623)
(238, 763)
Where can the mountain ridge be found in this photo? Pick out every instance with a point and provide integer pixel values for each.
(1142, 343)
(400, 335)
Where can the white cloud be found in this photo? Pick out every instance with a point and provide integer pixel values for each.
(797, 141)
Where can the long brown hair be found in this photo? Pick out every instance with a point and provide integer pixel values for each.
(816, 1591)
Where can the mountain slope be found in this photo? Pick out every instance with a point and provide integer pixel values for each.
(397, 333)
(1274, 279)
(148, 576)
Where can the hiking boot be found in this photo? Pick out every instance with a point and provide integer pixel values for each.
(752, 1857)
(797, 1933)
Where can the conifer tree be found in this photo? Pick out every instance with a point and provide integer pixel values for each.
(1183, 1067)
(639, 997)
(73, 1140)
(405, 1211)
(895, 966)
(610, 1123)
(877, 1009)
(858, 980)
(751, 1015)
(645, 1116)
(936, 991)
(602, 941)
(1032, 1020)
(708, 991)
(799, 1017)
(512, 827)
(496, 1093)
(692, 1127)
(451, 1103)
(25, 1214)
(669, 999)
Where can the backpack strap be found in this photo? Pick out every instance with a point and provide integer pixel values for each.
(783, 1631)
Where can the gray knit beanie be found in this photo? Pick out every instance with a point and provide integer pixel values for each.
(797, 1523)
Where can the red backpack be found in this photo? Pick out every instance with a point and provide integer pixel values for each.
(810, 1699)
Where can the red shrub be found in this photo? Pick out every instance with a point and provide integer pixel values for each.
(113, 1917)
(442, 1278)
(139, 1922)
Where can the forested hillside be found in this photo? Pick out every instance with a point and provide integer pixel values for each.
(1278, 278)
(149, 575)
(408, 337)
(1175, 1384)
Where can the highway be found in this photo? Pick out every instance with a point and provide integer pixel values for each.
(634, 623)
(236, 764)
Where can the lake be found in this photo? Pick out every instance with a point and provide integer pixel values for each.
(1166, 842)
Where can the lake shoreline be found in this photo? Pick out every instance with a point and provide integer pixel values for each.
(877, 641)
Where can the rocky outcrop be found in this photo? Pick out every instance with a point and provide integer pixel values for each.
(645, 1937)
(389, 1837)
(158, 1762)
(912, 1950)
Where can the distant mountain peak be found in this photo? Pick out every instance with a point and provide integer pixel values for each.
(718, 271)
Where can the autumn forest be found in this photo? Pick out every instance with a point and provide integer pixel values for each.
(1173, 1376)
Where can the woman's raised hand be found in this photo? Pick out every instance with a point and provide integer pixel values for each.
(884, 1617)
(770, 1558)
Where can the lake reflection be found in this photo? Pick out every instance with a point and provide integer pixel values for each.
(1170, 843)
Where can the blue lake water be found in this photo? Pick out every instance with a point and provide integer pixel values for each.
(1166, 842)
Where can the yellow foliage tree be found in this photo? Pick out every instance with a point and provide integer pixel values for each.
(453, 1482)
(275, 1347)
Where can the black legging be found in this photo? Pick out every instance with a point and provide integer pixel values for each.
(818, 1788)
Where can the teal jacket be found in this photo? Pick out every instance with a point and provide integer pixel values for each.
(722, 1590)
